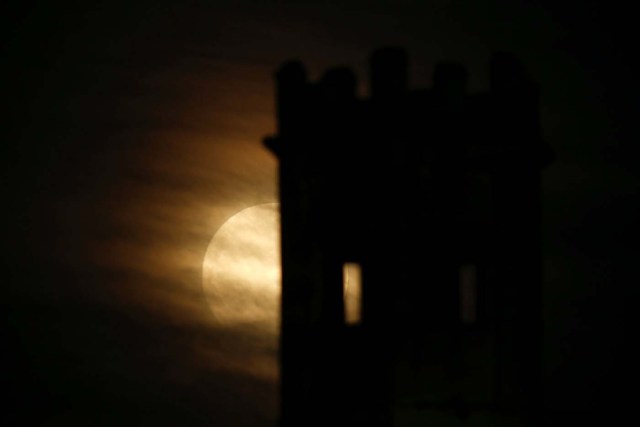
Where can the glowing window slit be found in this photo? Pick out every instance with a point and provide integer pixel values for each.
(352, 289)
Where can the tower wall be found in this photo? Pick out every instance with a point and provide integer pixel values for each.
(415, 185)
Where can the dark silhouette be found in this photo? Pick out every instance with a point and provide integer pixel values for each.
(436, 195)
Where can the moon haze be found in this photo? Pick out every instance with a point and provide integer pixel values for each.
(241, 278)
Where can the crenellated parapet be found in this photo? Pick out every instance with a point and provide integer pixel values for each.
(494, 126)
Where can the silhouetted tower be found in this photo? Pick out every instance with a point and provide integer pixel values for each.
(435, 196)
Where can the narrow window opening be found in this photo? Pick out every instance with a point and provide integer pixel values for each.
(468, 293)
(352, 291)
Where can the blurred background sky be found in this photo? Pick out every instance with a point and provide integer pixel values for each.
(132, 132)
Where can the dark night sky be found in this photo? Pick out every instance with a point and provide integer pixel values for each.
(131, 133)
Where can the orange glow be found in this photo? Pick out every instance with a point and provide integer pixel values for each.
(352, 284)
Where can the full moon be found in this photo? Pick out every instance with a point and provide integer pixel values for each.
(241, 270)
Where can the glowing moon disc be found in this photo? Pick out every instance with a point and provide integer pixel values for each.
(241, 271)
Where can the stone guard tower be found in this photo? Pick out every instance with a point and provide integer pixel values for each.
(435, 195)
